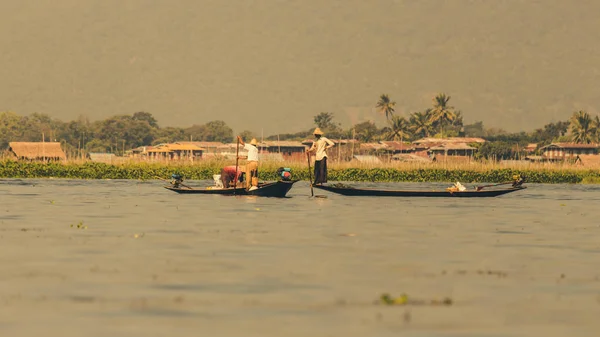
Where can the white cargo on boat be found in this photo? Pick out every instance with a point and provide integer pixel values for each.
(460, 186)
(217, 179)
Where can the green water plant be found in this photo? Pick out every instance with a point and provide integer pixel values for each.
(203, 171)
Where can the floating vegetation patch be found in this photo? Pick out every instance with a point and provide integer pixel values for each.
(269, 171)
(79, 225)
(497, 273)
(403, 299)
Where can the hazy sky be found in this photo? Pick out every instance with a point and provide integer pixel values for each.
(273, 65)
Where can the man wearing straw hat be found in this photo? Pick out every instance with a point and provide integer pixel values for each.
(251, 163)
(319, 147)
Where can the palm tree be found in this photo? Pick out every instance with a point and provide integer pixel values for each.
(458, 119)
(399, 129)
(420, 123)
(386, 106)
(583, 128)
(442, 113)
(596, 129)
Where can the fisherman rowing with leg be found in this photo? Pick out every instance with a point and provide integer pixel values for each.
(319, 148)
(251, 163)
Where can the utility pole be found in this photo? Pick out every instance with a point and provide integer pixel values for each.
(353, 136)
(82, 145)
(43, 147)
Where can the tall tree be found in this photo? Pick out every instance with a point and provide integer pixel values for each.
(76, 132)
(475, 130)
(596, 129)
(169, 134)
(247, 135)
(499, 150)
(145, 116)
(324, 120)
(442, 112)
(550, 132)
(583, 128)
(421, 124)
(124, 131)
(399, 129)
(458, 119)
(218, 131)
(365, 131)
(38, 125)
(386, 106)
(10, 128)
(213, 131)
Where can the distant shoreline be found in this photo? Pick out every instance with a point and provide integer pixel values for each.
(357, 172)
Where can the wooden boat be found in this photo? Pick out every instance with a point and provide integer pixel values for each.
(364, 192)
(277, 189)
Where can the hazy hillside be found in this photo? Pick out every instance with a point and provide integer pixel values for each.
(274, 64)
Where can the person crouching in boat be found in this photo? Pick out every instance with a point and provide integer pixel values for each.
(251, 163)
(228, 176)
(319, 148)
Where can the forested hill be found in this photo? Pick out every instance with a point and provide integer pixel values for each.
(273, 65)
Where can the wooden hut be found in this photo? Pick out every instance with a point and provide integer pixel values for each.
(569, 150)
(175, 151)
(37, 150)
(287, 149)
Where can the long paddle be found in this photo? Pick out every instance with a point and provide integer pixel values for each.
(312, 192)
(479, 188)
(515, 183)
(237, 158)
(170, 181)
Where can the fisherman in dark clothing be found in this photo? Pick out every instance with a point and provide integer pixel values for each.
(319, 147)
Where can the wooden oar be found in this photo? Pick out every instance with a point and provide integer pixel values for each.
(479, 188)
(182, 184)
(237, 158)
(518, 180)
(312, 192)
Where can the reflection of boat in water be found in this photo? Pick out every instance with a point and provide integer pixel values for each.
(457, 191)
(276, 189)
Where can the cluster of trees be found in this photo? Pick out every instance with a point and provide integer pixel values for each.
(441, 120)
(118, 133)
(114, 134)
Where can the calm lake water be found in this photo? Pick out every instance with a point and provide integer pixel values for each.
(155, 263)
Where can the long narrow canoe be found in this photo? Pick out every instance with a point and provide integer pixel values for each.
(364, 192)
(277, 189)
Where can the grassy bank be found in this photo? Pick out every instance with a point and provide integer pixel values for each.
(466, 173)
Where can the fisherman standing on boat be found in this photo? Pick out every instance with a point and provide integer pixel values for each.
(251, 163)
(319, 147)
